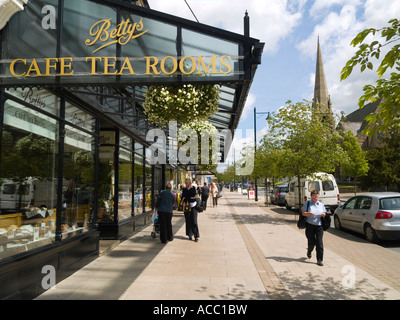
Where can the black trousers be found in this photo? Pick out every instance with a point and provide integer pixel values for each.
(165, 220)
(204, 201)
(314, 236)
(192, 228)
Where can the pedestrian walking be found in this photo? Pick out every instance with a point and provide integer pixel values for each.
(190, 212)
(314, 210)
(205, 192)
(214, 194)
(165, 207)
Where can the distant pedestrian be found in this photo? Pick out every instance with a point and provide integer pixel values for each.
(165, 205)
(214, 194)
(205, 192)
(190, 212)
(314, 210)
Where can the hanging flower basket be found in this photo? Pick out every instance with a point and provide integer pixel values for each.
(185, 104)
(206, 136)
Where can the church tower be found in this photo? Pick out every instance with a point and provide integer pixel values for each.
(322, 100)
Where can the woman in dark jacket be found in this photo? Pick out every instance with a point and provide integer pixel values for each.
(165, 210)
(189, 197)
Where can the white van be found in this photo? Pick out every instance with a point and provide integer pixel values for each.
(326, 185)
(32, 192)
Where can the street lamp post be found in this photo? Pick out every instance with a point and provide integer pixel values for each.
(255, 146)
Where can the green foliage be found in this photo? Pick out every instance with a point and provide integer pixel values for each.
(306, 143)
(185, 104)
(385, 90)
(384, 164)
(356, 164)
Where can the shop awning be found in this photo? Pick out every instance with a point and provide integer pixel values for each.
(105, 54)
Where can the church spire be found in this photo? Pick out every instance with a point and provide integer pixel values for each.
(321, 96)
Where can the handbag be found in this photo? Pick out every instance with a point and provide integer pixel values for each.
(301, 223)
(158, 201)
(199, 205)
(326, 222)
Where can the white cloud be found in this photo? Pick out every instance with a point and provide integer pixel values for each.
(270, 21)
(336, 30)
(249, 106)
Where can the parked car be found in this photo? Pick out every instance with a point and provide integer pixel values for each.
(278, 194)
(376, 215)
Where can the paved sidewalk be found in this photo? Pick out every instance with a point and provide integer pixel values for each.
(246, 251)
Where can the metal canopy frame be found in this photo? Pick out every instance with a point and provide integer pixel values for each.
(122, 103)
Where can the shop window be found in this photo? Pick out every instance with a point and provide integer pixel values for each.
(106, 176)
(125, 179)
(148, 195)
(78, 181)
(138, 184)
(28, 184)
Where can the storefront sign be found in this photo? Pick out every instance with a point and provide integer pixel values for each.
(104, 34)
(105, 66)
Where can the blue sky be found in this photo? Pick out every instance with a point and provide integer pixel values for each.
(290, 29)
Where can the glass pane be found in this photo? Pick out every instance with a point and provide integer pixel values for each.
(314, 185)
(125, 185)
(25, 38)
(218, 58)
(156, 40)
(28, 180)
(78, 186)
(39, 98)
(138, 184)
(106, 177)
(82, 17)
(148, 187)
(328, 186)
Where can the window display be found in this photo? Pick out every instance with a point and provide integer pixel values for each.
(28, 184)
(29, 171)
(125, 178)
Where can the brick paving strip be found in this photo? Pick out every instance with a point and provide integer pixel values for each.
(273, 285)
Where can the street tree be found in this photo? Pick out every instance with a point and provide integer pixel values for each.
(355, 164)
(309, 144)
(387, 90)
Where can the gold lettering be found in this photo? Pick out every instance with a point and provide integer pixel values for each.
(33, 68)
(12, 67)
(65, 65)
(108, 65)
(48, 65)
(126, 65)
(93, 61)
(226, 64)
(204, 67)
(122, 34)
(174, 68)
(182, 65)
(99, 32)
(153, 65)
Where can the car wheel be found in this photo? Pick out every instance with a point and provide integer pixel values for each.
(287, 206)
(338, 224)
(370, 234)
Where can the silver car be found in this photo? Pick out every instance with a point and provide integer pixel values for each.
(376, 215)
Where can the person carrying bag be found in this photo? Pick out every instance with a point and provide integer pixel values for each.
(314, 211)
(190, 211)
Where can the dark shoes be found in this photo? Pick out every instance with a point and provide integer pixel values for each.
(308, 255)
